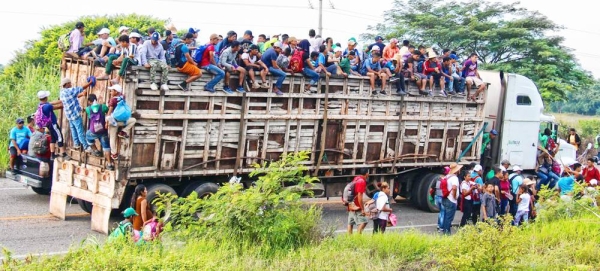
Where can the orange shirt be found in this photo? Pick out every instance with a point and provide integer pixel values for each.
(389, 52)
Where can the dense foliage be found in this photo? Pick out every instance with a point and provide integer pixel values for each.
(506, 37)
(581, 101)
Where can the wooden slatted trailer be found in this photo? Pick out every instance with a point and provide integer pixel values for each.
(195, 140)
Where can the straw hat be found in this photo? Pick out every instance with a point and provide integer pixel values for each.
(171, 27)
(528, 182)
(454, 167)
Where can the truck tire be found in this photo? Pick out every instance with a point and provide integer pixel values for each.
(153, 190)
(426, 203)
(206, 189)
(190, 188)
(86, 206)
(41, 191)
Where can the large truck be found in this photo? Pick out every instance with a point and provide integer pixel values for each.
(196, 140)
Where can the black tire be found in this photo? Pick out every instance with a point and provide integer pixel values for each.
(426, 203)
(206, 189)
(190, 188)
(86, 206)
(415, 196)
(41, 191)
(153, 190)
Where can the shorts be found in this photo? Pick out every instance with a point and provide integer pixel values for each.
(356, 218)
(256, 69)
(13, 152)
(436, 76)
(419, 76)
(104, 142)
(190, 69)
(56, 135)
(474, 80)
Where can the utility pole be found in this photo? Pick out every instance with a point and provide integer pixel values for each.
(321, 18)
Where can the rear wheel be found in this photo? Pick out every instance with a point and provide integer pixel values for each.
(153, 191)
(85, 205)
(427, 202)
(41, 191)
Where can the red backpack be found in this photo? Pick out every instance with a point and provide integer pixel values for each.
(296, 62)
(444, 186)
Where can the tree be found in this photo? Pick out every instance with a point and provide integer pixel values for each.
(583, 102)
(505, 36)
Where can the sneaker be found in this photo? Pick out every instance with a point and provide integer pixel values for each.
(278, 92)
(153, 86)
(461, 94)
(255, 85)
(264, 85)
(423, 92)
(227, 90)
(122, 134)
(401, 92)
(89, 150)
(114, 156)
(430, 93)
(76, 147)
(394, 79)
(97, 153)
(65, 157)
(240, 89)
(164, 87)
(442, 94)
(102, 62)
(211, 90)
(110, 167)
(451, 93)
(383, 92)
(183, 86)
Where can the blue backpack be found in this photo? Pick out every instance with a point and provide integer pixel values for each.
(200, 52)
(122, 111)
(420, 66)
(170, 55)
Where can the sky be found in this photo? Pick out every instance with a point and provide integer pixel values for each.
(342, 19)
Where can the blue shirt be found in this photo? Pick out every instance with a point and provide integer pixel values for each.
(479, 181)
(516, 182)
(566, 184)
(268, 57)
(390, 65)
(184, 50)
(321, 60)
(369, 63)
(19, 135)
(71, 106)
(48, 110)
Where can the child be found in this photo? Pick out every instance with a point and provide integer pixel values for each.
(125, 228)
(523, 201)
(488, 203)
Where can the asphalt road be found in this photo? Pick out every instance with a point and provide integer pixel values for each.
(27, 228)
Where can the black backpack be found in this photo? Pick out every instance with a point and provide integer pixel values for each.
(178, 56)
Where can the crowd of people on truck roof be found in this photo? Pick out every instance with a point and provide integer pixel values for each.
(221, 56)
(483, 192)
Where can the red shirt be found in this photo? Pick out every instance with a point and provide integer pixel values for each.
(430, 65)
(206, 56)
(590, 174)
(360, 186)
(504, 187)
(113, 101)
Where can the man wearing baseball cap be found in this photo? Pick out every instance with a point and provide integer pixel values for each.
(152, 56)
(104, 43)
(123, 30)
(378, 43)
(18, 135)
(69, 95)
(193, 44)
(269, 58)
(45, 117)
(516, 180)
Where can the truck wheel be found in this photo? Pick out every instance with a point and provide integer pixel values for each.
(426, 202)
(85, 205)
(190, 188)
(206, 189)
(153, 190)
(415, 196)
(41, 191)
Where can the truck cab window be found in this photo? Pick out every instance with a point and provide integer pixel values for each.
(523, 100)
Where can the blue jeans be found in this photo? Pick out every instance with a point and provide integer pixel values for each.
(219, 74)
(91, 138)
(332, 69)
(76, 127)
(280, 76)
(313, 75)
(450, 211)
(549, 179)
(438, 203)
(552, 179)
(503, 205)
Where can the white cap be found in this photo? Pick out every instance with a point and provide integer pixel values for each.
(477, 168)
(337, 49)
(116, 88)
(277, 44)
(43, 94)
(123, 28)
(135, 35)
(375, 48)
(594, 182)
(64, 81)
(502, 168)
(104, 31)
(517, 168)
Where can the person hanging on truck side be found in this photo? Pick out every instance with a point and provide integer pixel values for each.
(116, 93)
(472, 77)
(69, 95)
(18, 135)
(152, 56)
(45, 117)
(209, 63)
(357, 215)
(186, 64)
(228, 61)
(270, 60)
(486, 149)
(97, 129)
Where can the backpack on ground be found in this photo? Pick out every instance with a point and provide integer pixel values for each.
(64, 42)
(444, 186)
(41, 119)
(122, 111)
(97, 121)
(40, 143)
(177, 61)
(200, 52)
(296, 63)
(121, 231)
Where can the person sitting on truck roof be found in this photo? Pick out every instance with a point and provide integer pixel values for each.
(283, 60)
(69, 95)
(152, 56)
(117, 94)
(414, 68)
(46, 111)
(229, 63)
(270, 60)
(455, 70)
(472, 77)
(372, 69)
(252, 63)
(18, 135)
(104, 44)
(129, 57)
(390, 50)
(76, 38)
(40, 135)
(96, 113)
(185, 63)
(433, 70)
(209, 63)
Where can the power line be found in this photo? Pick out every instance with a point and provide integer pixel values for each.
(583, 31)
(335, 11)
(360, 14)
(234, 4)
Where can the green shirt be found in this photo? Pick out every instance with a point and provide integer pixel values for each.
(345, 65)
(95, 108)
(486, 141)
(490, 175)
(543, 140)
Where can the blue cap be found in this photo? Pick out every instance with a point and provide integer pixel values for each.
(474, 174)
(453, 56)
(193, 30)
(378, 38)
(494, 132)
(155, 36)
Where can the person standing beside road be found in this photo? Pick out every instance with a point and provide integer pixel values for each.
(574, 139)
(358, 217)
(450, 203)
(383, 206)
(480, 188)
(468, 190)
(141, 206)
(515, 179)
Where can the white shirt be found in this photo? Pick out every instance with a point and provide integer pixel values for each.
(247, 56)
(524, 204)
(465, 186)
(453, 181)
(382, 201)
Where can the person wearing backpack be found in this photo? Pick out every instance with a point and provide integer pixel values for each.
(97, 129)
(69, 95)
(113, 121)
(357, 214)
(383, 207)
(185, 63)
(450, 193)
(125, 227)
(152, 56)
(515, 179)
(45, 117)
